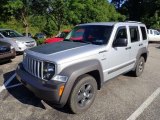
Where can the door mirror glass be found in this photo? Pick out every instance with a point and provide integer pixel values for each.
(120, 42)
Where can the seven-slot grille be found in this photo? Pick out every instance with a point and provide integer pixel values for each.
(33, 66)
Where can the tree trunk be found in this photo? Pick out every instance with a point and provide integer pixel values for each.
(26, 29)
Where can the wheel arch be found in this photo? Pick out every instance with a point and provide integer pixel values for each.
(91, 67)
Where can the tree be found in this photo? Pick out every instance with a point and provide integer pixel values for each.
(56, 10)
(18, 9)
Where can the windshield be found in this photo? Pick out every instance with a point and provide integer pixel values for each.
(10, 33)
(95, 34)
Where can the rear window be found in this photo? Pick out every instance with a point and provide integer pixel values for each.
(144, 34)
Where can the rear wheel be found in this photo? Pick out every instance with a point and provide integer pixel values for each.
(83, 94)
(139, 67)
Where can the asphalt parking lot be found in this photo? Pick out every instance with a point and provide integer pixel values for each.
(122, 98)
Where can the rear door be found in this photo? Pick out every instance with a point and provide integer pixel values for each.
(135, 41)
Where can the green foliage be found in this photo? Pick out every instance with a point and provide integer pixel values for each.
(40, 41)
(52, 16)
(147, 11)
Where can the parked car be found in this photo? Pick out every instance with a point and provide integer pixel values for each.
(71, 71)
(39, 36)
(57, 38)
(153, 35)
(18, 41)
(7, 51)
(29, 35)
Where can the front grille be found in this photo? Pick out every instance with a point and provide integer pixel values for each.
(33, 66)
(30, 44)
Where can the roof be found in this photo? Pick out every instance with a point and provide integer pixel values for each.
(111, 23)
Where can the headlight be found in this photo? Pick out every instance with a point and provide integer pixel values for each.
(19, 42)
(24, 55)
(48, 70)
(60, 78)
(11, 47)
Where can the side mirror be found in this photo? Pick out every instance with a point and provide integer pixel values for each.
(121, 42)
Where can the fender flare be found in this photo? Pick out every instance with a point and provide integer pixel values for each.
(75, 71)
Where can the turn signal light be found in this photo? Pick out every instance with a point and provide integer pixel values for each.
(61, 89)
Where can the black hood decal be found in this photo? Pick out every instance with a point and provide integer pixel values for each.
(56, 47)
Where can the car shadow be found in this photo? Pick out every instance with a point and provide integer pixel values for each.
(64, 109)
(2, 62)
(21, 93)
(129, 74)
(158, 47)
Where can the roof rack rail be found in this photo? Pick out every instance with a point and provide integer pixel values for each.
(133, 21)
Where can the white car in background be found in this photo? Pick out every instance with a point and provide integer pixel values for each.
(18, 41)
(153, 35)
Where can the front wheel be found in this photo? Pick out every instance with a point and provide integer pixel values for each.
(139, 67)
(83, 94)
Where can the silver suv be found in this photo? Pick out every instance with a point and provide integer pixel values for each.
(73, 70)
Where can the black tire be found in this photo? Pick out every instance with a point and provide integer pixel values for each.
(83, 94)
(139, 67)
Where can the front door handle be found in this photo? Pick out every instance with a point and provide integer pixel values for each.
(140, 44)
(127, 48)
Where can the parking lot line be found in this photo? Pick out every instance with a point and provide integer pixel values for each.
(7, 82)
(145, 104)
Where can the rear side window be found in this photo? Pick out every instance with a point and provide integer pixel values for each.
(134, 34)
(144, 34)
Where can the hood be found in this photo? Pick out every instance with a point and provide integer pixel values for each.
(24, 39)
(64, 51)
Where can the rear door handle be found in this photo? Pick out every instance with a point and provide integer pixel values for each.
(127, 48)
(140, 44)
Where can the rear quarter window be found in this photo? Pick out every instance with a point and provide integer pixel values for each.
(144, 33)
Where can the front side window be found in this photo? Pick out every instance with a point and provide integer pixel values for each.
(134, 34)
(122, 33)
(144, 34)
(10, 33)
(95, 34)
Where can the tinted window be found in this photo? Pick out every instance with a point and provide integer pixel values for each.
(121, 33)
(144, 34)
(10, 33)
(95, 34)
(134, 33)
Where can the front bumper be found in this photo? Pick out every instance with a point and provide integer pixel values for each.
(22, 47)
(46, 90)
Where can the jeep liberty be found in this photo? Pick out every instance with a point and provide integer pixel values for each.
(71, 71)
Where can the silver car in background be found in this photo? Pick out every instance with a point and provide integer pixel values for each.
(18, 41)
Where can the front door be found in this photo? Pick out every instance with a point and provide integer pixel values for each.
(118, 57)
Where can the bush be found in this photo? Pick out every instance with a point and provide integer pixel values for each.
(40, 41)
